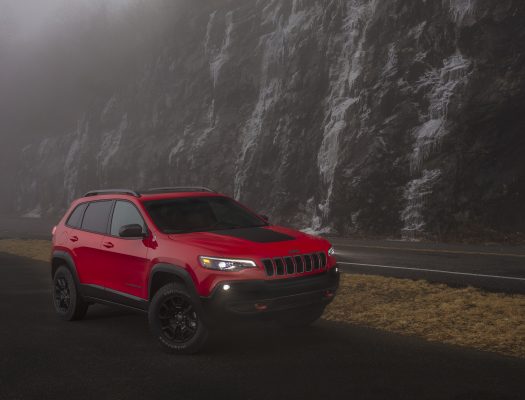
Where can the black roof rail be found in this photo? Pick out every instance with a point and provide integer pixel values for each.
(179, 189)
(112, 191)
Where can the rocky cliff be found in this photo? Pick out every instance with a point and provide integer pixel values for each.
(392, 118)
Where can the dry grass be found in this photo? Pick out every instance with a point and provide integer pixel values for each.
(36, 249)
(467, 317)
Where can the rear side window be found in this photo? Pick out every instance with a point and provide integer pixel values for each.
(97, 216)
(125, 213)
(75, 219)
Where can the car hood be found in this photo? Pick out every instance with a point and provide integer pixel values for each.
(265, 241)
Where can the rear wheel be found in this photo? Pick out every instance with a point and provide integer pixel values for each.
(69, 304)
(175, 320)
(300, 317)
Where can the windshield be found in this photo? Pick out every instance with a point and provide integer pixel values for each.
(198, 214)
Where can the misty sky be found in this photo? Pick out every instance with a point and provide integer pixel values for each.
(60, 58)
(24, 19)
(50, 61)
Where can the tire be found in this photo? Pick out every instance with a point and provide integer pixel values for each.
(69, 304)
(176, 321)
(300, 317)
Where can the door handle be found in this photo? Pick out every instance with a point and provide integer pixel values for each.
(108, 245)
(74, 238)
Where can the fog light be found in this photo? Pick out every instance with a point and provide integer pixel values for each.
(226, 287)
(336, 269)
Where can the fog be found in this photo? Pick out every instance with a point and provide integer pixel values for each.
(39, 65)
(52, 53)
(25, 21)
(58, 57)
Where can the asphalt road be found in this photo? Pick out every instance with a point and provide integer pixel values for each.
(492, 267)
(12, 226)
(110, 355)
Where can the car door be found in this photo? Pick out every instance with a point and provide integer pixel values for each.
(74, 239)
(87, 242)
(125, 259)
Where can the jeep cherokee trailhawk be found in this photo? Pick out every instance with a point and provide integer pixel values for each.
(189, 257)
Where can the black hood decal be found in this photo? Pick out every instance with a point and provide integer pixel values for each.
(259, 235)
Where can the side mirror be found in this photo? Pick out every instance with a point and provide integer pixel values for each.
(264, 217)
(132, 231)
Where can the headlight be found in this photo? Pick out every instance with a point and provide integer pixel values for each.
(331, 251)
(225, 264)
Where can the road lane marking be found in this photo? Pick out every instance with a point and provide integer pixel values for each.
(476, 253)
(433, 270)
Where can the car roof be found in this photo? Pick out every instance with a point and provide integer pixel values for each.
(161, 196)
(145, 196)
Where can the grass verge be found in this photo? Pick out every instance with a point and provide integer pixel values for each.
(36, 249)
(436, 312)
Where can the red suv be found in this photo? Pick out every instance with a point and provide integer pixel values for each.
(189, 257)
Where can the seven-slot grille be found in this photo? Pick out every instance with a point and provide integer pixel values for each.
(298, 264)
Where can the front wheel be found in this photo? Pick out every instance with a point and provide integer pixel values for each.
(69, 304)
(175, 321)
(300, 317)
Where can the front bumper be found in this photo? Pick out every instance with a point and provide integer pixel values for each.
(245, 298)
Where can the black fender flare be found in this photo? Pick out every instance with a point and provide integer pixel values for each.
(183, 275)
(66, 258)
(179, 272)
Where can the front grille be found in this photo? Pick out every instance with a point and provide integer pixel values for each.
(316, 262)
(299, 264)
(322, 257)
(289, 265)
(296, 265)
(279, 266)
(307, 262)
(268, 266)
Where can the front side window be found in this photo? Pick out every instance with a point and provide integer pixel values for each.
(75, 219)
(96, 216)
(125, 213)
(198, 214)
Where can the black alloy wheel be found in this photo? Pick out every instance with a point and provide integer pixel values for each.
(175, 319)
(67, 300)
(62, 294)
(178, 319)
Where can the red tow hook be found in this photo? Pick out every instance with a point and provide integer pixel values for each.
(261, 307)
(328, 294)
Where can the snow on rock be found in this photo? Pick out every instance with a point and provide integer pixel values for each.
(108, 107)
(34, 213)
(221, 56)
(273, 47)
(174, 151)
(72, 162)
(443, 84)
(460, 9)
(111, 142)
(416, 192)
(343, 73)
